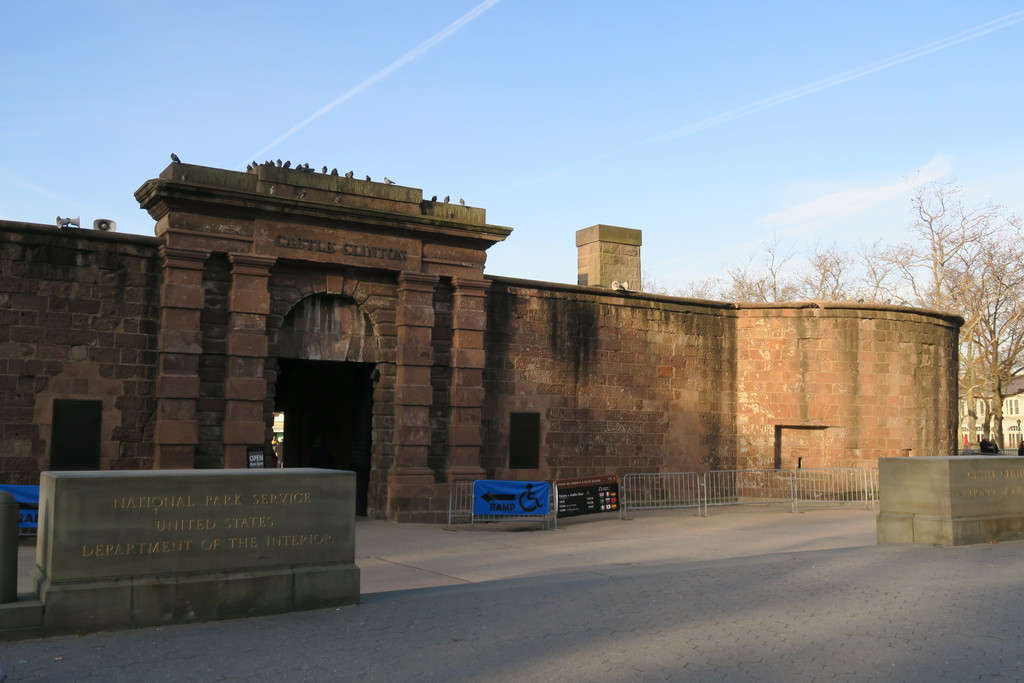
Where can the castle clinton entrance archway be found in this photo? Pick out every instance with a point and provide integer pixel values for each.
(316, 296)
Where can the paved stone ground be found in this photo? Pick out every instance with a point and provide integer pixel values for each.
(747, 594)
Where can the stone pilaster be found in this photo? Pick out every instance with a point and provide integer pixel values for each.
(179, 347)
(410, 473)
(245, 382)
(469, 320)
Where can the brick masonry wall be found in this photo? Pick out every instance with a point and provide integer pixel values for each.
(622, 383)
(844, 385)
(78, 320)
(625, 383)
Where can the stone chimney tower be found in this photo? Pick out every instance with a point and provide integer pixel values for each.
(607, 254)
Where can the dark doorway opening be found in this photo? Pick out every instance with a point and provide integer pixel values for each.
(800, 446)
(328, 417)
(75, 435)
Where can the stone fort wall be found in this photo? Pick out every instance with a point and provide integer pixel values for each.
(624, 382)
(78, 320)
(618, 381)
(841, 385)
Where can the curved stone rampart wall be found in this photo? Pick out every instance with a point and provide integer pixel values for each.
(625, 382)
(833, 385)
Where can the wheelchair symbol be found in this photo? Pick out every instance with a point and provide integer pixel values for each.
(528, 502)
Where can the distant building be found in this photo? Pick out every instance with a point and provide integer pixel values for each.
(355, 318)
(1013, 414)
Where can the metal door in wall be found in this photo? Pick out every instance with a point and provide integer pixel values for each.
(75, 434)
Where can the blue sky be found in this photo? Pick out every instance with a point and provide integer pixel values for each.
(710, 126)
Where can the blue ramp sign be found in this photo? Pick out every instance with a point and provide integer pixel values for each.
(495, 497)
(27, 498)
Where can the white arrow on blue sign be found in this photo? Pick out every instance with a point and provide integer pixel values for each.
(496, 497)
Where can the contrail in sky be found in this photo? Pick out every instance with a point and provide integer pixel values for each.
(839, 79)
(421, 49)
(796, 93)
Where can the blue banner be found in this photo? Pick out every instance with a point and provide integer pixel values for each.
(27, 498)
(495, 497)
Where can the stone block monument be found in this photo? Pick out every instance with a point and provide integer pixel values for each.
(946, 501)
(132, 549)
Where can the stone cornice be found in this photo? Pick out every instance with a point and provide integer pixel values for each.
(316, 197)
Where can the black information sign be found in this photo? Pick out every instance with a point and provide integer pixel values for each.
(255, 457)
(587, 496)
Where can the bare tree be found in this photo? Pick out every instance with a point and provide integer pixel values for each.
(947, 233)
(828, 276)
(877, 281)
(957, 262)
(708, 288)
(998, 329)
(769, 282)
(653, 285)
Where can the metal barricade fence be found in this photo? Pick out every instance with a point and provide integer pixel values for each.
(665, 490)
(460, 500)
(831, 486)
(460, 506)
(658, 491)
(749, 487)
(874, 487)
